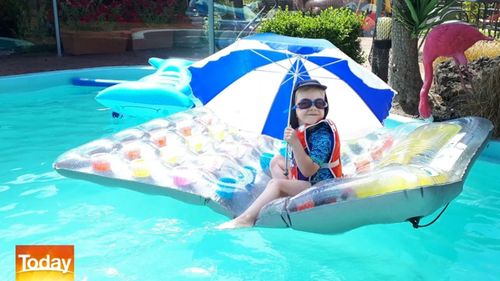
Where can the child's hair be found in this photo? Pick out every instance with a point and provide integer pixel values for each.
(294, 121)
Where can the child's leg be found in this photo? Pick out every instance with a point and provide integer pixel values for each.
(277, 167)
(276, 188)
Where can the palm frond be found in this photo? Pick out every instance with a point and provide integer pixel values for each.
(418, 16)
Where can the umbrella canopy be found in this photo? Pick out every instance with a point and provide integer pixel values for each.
(249, 84)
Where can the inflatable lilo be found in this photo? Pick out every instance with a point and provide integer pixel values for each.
(391, 175)
(164, 92)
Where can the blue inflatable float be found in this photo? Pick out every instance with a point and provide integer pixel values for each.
(165, 92)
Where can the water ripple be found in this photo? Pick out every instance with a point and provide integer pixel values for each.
(17, 231)
(43, 192)
(166, 226)
(8, 207)
(4, 188)
(27, 213)
(112, 272)
(199, 271)
(85, 212)
(30, 178)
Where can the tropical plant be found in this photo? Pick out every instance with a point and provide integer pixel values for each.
(418, 16)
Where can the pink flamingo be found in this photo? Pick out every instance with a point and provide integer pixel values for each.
(445, 40)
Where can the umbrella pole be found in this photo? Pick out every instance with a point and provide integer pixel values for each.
(287, 149)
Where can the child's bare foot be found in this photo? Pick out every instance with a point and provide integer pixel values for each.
(235, 223)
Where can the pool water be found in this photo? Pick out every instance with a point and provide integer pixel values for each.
(120, 234)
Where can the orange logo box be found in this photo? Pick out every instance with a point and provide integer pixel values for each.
(45, 262)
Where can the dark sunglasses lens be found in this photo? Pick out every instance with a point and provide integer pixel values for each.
(305, 103)
(320, 104)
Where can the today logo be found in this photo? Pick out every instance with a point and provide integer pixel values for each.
(45, 262)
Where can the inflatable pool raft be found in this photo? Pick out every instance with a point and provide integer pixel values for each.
(162, 93)
(391, 175)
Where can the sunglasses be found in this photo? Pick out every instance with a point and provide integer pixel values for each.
(307, 103)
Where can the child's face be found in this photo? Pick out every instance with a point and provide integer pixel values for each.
(312, 114)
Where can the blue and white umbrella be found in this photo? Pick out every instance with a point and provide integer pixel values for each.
(249, 84)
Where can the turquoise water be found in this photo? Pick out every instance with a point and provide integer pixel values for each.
(120, 234)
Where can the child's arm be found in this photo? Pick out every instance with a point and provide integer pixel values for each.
(306, 166)
(305, 163)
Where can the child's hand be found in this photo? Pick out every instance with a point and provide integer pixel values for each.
(290, 136)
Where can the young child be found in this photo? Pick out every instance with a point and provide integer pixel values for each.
(315, 146)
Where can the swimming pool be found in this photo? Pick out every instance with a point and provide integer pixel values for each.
(120, 234)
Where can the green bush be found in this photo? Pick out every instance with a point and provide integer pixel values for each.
(341, 27)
